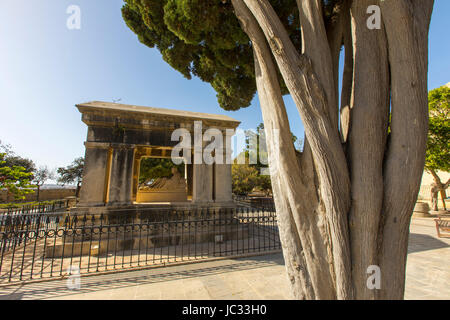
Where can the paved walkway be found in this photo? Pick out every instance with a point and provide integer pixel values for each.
(259, 277)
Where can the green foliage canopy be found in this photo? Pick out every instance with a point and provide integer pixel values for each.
(204, 39)
(153, 168)
(259, 154)
(15, 179)
(438, 144)
(72, 173)
(41, 175)
(244, 178)
(12, 159)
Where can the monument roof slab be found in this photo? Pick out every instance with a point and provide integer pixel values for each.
(103, 112)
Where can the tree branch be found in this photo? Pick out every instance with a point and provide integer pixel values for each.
(407, 25)
(335, 34)
(316, 47)
(369, 123)
(310, 98)
(304, 248)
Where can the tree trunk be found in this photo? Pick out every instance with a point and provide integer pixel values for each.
(443, 197)
(344, 208)
(440, 189)
(311, 100)
(369, 117)
(434, 197)
(305, 251)
(407, 25)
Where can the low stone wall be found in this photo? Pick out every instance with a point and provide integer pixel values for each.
(425, 196)
(427, 181)
(44, 195)
(425, 192)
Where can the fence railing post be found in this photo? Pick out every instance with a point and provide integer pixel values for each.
(173, 235)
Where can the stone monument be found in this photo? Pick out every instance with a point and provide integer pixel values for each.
(119, 136)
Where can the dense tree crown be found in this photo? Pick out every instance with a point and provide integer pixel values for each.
(438, 145)
(72, 173)
(14, 179)
(12, 159)
(16, 172)
(345, 202)
(216, 50)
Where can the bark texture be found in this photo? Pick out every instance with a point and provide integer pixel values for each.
(369, 114)
(306, 255)
(345, 203)
(407, 24)
(312, 103)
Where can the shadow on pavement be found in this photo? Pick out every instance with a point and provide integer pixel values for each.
(422, 242)
(130, 278)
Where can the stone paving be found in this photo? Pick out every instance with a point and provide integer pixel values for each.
(30, 261)
(257, 277)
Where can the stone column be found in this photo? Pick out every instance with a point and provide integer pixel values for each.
(121, 180)
(202, 183)
(223, 183)
(136, 171)
(94, 175)
(222, 179)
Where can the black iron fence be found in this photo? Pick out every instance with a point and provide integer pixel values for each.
(255, 202)
(58, 205)
(35, 246)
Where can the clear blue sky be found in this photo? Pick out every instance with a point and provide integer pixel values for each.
(45, 69)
